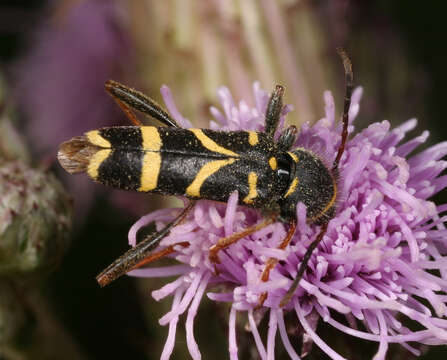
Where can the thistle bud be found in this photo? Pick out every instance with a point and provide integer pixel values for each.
(35, 217)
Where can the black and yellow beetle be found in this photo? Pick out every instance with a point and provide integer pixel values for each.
(207, 164)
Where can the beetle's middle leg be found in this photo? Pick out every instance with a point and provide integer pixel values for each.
(223, 243)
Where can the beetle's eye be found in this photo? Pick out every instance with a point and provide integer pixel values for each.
(284, 170)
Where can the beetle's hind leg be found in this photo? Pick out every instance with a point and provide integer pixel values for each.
(142, 253)
(127, 110)
(273, 113)
(130, 99)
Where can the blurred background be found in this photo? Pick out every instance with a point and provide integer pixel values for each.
(54, 59)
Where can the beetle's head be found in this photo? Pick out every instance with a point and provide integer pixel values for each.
(311, 182)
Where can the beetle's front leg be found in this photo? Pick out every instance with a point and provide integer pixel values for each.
(287, 138)
(272, 262)
(273, 113)
(299, 275)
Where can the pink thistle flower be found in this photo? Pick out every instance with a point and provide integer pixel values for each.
(382, 259)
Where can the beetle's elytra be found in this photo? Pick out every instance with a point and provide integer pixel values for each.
(205, 164)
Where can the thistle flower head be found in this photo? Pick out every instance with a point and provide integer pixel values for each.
(381, 261)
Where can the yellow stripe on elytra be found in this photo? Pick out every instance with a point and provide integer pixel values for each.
(96, 139)
(95, 161)
(207, 170)
(150, 168)
(252, 138)
(252, 192)
(273, 164)
(292, 187)
(151, 138)
(210, 144)
(293, 156)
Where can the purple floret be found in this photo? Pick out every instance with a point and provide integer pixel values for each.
(371, 266)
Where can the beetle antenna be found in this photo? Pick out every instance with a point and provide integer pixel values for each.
(344, 136)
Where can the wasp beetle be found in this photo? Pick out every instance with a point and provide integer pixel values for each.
(204, 164)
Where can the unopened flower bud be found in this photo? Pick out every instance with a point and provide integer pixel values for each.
(35, 217)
